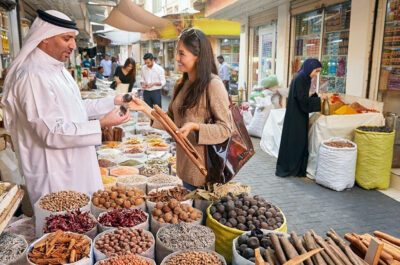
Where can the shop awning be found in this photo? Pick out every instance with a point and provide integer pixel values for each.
(131, 17)
(119, 37)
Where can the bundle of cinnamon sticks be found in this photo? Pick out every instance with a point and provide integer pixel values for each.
(181, 140)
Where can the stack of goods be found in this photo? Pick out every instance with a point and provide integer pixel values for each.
(374, 156)
(123, 241)
(391, 245)
(123, 218)
(173, 212)
(194, 257)
(278, 248)
(165, 194)
(127, 259)
(160, 180)
(60, 248)
(75, 221)
(183, 236)
(116, 198)
(12, 248)
(336, 166)
(231, 215)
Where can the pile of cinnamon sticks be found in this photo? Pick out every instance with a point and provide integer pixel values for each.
(390, 254)
(181, 140)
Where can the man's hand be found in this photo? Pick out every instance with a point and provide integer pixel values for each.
(114, 118)
(139, 105)
(188, 127)
(118, 99)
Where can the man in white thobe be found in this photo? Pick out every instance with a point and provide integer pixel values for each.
(54, 130)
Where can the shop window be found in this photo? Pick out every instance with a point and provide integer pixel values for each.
(170, 56)
(324, 34)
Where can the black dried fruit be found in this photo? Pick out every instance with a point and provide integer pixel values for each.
(217, 216)
(248, 253)
(233, 221)
(253, 242)
(242, 227)
(241, 219)
(213, 209)
(242, 239)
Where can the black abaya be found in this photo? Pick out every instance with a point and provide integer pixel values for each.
(293, 151)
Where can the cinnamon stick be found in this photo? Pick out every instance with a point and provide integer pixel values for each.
(300, 248)
(310, 245)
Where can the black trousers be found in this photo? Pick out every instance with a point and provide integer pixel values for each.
(152, 97)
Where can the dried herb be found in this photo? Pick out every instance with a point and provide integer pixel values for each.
(123, 218)
(76, 221)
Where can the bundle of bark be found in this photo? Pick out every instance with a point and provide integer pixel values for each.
(311, 249)
(389, 254)
(111, 134)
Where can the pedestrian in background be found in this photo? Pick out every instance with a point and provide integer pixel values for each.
(114, 65)
(126, 74)
(153, 79)
(293, 151)
(106, 63)
(224, 72)
(199, 95)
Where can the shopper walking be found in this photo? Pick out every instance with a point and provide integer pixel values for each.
(126, 74)
(198, 95)
(107, 65)
(53, 129)
(153, 79)
(224, 72)
(293, 151)
(114, 66)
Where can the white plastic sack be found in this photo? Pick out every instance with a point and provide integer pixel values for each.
(336, 167)
(260, 117)
(247, 116)
(9, 167)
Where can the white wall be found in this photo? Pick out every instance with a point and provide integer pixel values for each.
(243, 52)
(361, 28)
(282, 52)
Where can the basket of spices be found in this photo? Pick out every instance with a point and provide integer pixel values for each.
(134, 181)
(165, 194)
(183, 236)
(173, 212)
(61, 248)
(12, 249)
(132, 218)
(117, 198)
(162, 180)
(130, 259)
(75, 221)
(58, 203)
(122, 241)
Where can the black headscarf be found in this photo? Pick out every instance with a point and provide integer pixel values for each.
(309, 65)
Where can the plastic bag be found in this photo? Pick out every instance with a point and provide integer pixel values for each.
(260, 117)
(336, 167)
(374, 159)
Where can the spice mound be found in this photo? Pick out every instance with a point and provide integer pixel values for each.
(63, 201)
(151, 170)
(190, 236)
(164, 179)
(174, 212)
(194, 258)
(246, 213)
(60, 248)
(382, 129)
(11, 247)
(118, 197)
(76, 222)
(164, 195)
(339, 144)
(123, 218)
(124, 241)
(106, 163)
(125, 259)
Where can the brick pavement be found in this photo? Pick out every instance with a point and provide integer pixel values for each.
(307, 205)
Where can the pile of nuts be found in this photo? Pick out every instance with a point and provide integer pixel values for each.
(194, 258)
(60, 248)
(124, 241)
(164, 195)
(164, 179)
(174, 212)
(246, 213)
(339, 144)
(76, 222)
(118, 197)
(151, 170)
(123, 218)
(63, 201)
(190, 236)
(125, 259)
(11, 247)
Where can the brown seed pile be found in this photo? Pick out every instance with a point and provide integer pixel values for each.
(125, 259)
(123, 241)
(339, 144)
(194, 258)
(118, 197)
(165, 195)
(174, 212)
(63, 201)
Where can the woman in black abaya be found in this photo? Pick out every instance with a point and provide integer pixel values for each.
(293, 151)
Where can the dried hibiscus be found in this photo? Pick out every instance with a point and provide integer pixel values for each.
(75, 221)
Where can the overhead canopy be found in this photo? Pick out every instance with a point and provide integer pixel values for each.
(119, 37)
(130, 17)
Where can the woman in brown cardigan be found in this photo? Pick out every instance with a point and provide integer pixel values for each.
(188, 107)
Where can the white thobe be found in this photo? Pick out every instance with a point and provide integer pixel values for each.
(51, 129)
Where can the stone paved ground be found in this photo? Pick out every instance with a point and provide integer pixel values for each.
(310, 206)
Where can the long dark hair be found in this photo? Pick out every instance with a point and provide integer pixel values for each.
(132, 73)
(197, 43)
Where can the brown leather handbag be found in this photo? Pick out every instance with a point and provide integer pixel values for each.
(223, 161)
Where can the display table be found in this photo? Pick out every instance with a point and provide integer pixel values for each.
(321, 128)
